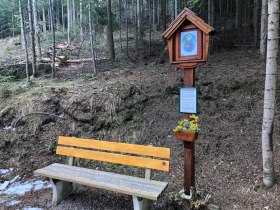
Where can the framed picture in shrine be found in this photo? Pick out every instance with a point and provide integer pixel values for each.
(189, 43)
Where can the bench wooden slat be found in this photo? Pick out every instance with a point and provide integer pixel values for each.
(144, 188)
(114, 158)
(115, 147)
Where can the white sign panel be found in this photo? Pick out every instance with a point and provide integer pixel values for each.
(188, 100)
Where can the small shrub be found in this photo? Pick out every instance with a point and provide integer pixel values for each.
(52, 147)
(89, 77)
(9, 50)
(7, 74)
(4, 142)
(4, 78)
(5, 92)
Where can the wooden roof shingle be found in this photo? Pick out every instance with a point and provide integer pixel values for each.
(189, 15)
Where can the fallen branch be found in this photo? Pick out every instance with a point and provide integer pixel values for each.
(77, 118)
(66, 46)
(62, 58)
(73, 61)
(5, 111)
(80, 60)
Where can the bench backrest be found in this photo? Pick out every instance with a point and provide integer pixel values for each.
(115, 152)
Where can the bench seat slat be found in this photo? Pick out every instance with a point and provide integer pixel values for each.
(114, 158)
(144, 188)
(115, 146)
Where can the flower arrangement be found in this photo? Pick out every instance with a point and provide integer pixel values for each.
(188, 123)
(187, 128)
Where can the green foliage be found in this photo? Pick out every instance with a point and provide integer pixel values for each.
(52, 147)
(8, 8)
(8, 50)
(89, 76)
(4, 141)
(4, 78)
(122, 59)
(196, 5)
(101, 12)
(4, 92)
(5, 74)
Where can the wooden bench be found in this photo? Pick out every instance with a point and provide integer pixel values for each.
(142, 189)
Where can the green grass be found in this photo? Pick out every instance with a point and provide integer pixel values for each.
(21, 92)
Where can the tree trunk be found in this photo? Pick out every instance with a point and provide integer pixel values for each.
(91, 38)
(269, 93)
(150, 27)
(68, 22)
(120, 21)
(126, 25)
(22, 32)
(255, 20)
(227, 10)
(57, 16)
(136, 35)
(110, 31)
(81, 21)
(24, 40)
(238, 21)
(176, 8)
(44, 20)
(132, 10)
(49, 21)
(31, 26)
(158, 12)
(62, 17)
(212, 12)
(37, 30)
(138, 20)
(13, 24)
(163, 12)
(209, 11)
(154, 12)
(53, 37)
(172, 10)
(263, 33)
(74, 17)
(220, 9)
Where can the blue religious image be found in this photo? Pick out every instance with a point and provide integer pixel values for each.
(188, 43)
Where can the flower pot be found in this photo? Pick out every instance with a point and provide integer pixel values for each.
(186, 135)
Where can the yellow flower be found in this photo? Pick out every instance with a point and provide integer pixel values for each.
(193, 116)
(180, 122)
(188, 123)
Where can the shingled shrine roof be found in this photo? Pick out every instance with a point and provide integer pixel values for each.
(189, 15)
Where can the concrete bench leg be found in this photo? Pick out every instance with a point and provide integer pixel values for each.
(140, 203)
(61, 190)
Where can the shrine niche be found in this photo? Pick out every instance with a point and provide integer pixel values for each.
(188, 39)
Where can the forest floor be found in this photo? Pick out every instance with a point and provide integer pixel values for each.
(137, 102)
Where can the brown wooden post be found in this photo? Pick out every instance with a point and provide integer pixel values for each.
(189, 77)
(189, 149)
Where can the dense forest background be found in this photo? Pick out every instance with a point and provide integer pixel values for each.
(127, 24)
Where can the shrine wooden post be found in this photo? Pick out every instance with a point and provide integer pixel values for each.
(189, 147)
(188, 46)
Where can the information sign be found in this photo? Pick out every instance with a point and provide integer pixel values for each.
(188, 100)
